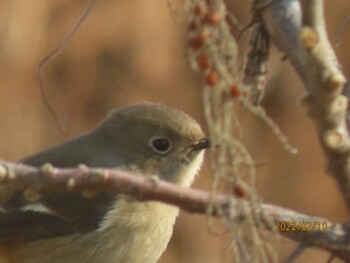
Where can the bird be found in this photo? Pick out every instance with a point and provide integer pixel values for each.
(148, 139)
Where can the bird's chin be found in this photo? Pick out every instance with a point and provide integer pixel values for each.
(190, 170)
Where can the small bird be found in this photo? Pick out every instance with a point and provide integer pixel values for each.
(63, 227)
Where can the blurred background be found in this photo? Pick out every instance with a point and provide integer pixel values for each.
(129, 51)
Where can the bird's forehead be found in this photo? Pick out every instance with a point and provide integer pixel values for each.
(160, 117)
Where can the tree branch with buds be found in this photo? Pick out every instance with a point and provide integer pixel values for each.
(298, 28)
(34, 181)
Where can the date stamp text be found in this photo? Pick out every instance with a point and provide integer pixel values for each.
(301, 226)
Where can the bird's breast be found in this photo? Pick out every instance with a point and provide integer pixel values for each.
(133, 232)
(139, 230)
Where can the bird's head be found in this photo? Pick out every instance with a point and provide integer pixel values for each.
(157, 140)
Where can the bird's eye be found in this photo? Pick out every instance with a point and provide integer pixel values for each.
(160, 145)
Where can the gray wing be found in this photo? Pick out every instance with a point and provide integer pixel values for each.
(71, 211)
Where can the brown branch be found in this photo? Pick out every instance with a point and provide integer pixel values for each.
(48, 179)
(304, 39)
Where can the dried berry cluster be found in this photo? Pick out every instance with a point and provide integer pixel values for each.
(203, 37)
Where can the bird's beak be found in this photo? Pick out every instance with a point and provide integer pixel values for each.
(201, 144)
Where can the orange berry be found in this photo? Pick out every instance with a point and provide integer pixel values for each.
(202, 36)
(204, 62)
(238, 192)
(212, 78)
(201, 10)
(235, 92)
(192, 26)
(196, 43)
(214, 18)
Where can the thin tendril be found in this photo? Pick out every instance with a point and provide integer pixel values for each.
(340, 31)
(53, 54)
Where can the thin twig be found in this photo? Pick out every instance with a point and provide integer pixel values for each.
(340, 31)
(53, 54)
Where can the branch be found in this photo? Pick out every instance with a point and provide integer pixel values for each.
(47, 179)
(304, 39)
